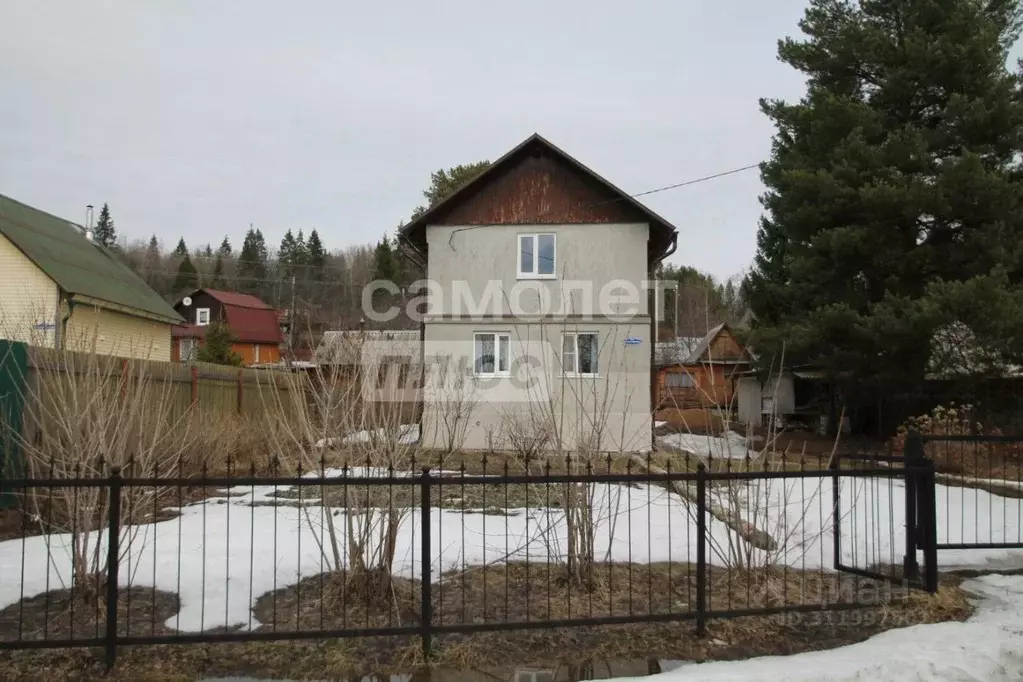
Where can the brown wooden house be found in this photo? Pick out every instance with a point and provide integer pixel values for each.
(255, 325)
(707, 376)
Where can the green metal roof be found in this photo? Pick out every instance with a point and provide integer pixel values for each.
(59, 248)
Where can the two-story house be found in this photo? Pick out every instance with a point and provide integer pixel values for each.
(538, 319)
(255, 325)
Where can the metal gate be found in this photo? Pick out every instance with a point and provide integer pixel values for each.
(976, 501)
(882, 527)
(13, 365)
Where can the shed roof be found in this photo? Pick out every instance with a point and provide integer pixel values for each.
(662, 233)
(79, 266)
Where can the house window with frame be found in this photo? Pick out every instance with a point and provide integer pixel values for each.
(579, 354)
(491, 351)
(536, 255)
(187, 349)
(679, 380)
(202, 316)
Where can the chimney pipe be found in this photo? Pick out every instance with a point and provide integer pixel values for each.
(88, 222)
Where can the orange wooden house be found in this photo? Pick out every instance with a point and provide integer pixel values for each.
(256, 327)
(700, 372)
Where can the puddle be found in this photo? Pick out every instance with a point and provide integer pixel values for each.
(599, 670)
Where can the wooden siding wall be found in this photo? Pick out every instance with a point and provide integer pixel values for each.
(539, 190)
(94, 329)
(714, 386)
(27, 298)
(725, 348)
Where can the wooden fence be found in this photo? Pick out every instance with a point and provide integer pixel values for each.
(203, 388)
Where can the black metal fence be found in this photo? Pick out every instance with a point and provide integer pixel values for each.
(978, 502)
(146, 558)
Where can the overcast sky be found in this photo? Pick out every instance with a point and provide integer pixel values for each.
(196, 118)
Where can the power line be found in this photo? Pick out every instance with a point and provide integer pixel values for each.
(686, 183)
(677, 185)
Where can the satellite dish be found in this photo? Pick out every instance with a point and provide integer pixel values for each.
(186, 301)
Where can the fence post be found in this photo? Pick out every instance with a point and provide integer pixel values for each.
(113, 557)
(929, 524)
(240, 390)
(836, 508)
(913, 460)
(701, 550)
(194, 373)
(426, 606)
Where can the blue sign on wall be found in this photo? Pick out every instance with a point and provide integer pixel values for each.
(632, 341)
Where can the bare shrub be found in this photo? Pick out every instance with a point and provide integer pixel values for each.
(335, 431)
(87, 415)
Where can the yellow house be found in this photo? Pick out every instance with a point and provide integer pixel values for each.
(60, 289)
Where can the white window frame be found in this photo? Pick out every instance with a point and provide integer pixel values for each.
(255, 353)
(500, 338)
(573, 370)
(193, 349)
(199, 317)
(535, 272)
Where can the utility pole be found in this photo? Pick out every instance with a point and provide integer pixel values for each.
(291, 319)
(676, 311)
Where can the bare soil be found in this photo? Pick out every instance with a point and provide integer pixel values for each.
(500, 593)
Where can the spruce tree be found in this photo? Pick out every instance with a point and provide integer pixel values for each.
(252, 263)
(105, 233)
(896, 172)
(217, 346)
(187, 278)
(316, 255)
(217, 281)
(181, 249)
(385, 265)
(225, 247)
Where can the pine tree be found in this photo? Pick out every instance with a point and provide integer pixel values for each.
(217, 346)
(225, 247)
(895, 172)
(207, 251)
(105, 233)
(187, 278)
(181, 249)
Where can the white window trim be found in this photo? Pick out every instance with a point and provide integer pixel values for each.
(255, 353)
(498, 337)
(575, 374)
(198, 317)
(535, 274)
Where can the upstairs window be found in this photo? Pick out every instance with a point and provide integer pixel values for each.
(202, 316)
(536, 255)
(491, 354)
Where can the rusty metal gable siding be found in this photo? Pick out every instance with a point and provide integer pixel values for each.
(538, 190)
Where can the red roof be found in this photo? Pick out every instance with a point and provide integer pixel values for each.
(233, 298)
(251, 320)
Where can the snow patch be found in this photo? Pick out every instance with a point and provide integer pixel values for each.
(987, 648)
(731, 446)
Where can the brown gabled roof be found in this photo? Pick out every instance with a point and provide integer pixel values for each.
(662, 233)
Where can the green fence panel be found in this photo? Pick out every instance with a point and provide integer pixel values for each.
(13, 366)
